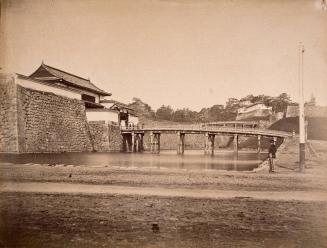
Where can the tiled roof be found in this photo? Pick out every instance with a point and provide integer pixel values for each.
(118, 105)
(69, 78)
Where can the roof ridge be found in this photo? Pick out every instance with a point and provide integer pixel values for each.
(65, 72)
(71, 74)
(94, 85)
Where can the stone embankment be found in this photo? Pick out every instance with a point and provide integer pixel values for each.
(51, 123)
(8, 113)
(40, 122)
(105, 137)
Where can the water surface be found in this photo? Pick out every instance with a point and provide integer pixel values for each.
(192, 159)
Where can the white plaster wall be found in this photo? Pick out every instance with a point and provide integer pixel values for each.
(257, 107)
(97, 97)
(252, 108)
(104, 115)
(47, 88)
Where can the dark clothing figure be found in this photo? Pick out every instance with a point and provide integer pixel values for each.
(272, 156)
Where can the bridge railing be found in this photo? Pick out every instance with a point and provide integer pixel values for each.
(235, 124)
(201, 128)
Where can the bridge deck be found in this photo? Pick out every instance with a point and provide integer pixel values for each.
(195, 129)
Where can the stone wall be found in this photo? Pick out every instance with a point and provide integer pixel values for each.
(99, 135)
(309, 111)
(34, 121)
(192, 141)
(115, 138)
(8, 114)
(106, 137)
(51, 123)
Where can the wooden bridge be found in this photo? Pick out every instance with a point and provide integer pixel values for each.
(133, 136)
(235, 124)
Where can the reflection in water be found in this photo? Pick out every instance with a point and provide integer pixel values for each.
(222, 160)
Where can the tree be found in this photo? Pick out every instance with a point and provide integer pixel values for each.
(179, 115)
(280, 103)
(142, 108)
(164, 113)
(232, 105)
(248, 98)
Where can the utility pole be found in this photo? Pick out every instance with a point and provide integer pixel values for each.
(301, 111)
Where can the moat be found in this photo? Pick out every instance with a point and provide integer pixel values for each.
(192, 159)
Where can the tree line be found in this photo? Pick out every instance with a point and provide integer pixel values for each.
(218, 112)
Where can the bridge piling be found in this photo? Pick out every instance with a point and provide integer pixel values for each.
(151, 141)
(206, 143)
(259, 144)
(235, 145)
(142, 142)
(124, 144)
(154, 142)
(133, 142)
(137, 143)
(212, 145)
(209, 147)
(157, 142)
(181, 143)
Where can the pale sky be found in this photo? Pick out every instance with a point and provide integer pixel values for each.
(183, 53)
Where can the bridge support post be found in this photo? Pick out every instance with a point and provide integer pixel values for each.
(124, 148)
(157, 142)
(206, 143)
(181, 143)
(159, 135)
(126, 142)
(235, 145)
(209, 148)
(154, 142)
(142, 142)
(133, 142)
(259, 144)
(212, 146)
(151, 142)
(137, 142)
(178, 142)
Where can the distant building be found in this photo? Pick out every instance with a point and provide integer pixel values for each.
(253, 107)
(255, 111)
(245, 103)
(125, 113)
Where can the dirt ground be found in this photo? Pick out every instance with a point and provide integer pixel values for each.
(35, 219)
(51, 220)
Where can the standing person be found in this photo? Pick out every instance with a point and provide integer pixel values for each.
(272, 155)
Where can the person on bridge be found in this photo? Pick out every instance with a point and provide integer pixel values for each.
(272, 155)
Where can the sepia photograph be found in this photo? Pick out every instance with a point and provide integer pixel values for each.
(163, 123)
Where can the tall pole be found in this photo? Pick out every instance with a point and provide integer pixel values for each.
(301, 111)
